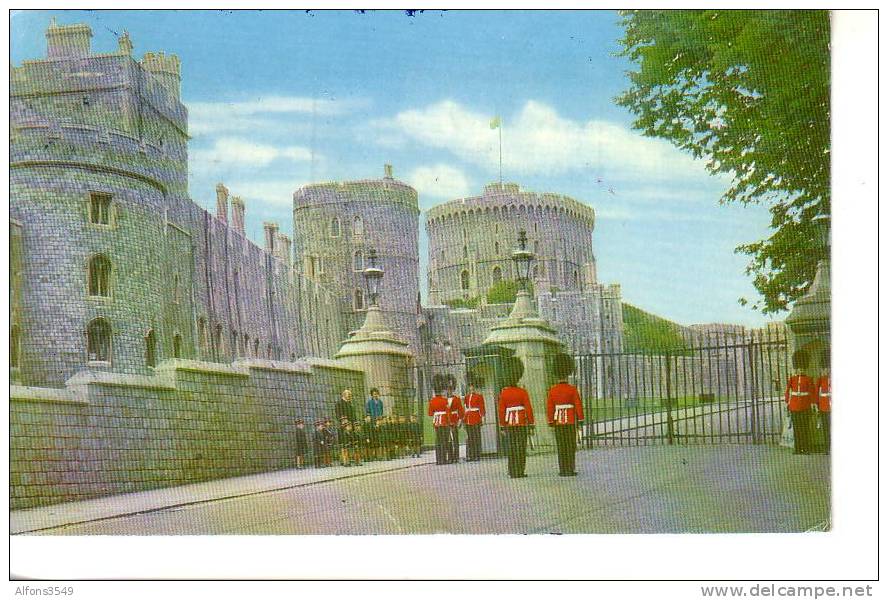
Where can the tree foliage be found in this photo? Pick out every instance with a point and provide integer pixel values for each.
(749, 92)
(650, 334)
(505, 291)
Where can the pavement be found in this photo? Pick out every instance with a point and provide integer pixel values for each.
(639, 489)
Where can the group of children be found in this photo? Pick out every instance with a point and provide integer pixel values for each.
(353, 442)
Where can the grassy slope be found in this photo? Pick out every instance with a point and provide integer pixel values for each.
(644, 332)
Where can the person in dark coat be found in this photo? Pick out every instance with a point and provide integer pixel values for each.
(300, 443)
(320, 443)
(345, 408)
(329, 442)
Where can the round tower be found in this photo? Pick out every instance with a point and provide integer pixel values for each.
(336, 224)
(471, 242)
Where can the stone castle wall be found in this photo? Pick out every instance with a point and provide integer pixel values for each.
(108, 433)
(373, 214)
(477, 236)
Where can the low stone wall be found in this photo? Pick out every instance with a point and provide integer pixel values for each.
(109, 433)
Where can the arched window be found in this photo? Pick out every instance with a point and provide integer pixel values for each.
(359, 299)
(151, 349)
(496, 248)
(359, 260)
(14, 346)
(497, 275)
(575, 278)
(358, 226)
(464, 280)
(465, 251)
(100, 276)
(177, 346)
(99, 208)
(536, 247)
(245, 345)
(233, 342)
(256, 347)
(176, 288)
(335, 227)
(536, 271)
(465, 233)
(202, 336)
(98, 340)
(268, 351)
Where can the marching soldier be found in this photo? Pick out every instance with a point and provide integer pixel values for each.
(474, 417)
(457, 413)
(515, 417)
(824, 400)
(799, 397)
(440, 419)
(564, 410)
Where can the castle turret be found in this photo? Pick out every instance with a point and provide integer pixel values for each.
(68, 41)
(165, 69)
(237, 214)
(125, 44)
(283, 248)
(271, 229)
(222, 202)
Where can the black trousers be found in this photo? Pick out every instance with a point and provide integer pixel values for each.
(516, 447)
(824, 425)
(566, 441)
(442, 445)
(801, 430)
(454, 443)
(473, 442)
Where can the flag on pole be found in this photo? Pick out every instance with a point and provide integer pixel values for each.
(495, 123)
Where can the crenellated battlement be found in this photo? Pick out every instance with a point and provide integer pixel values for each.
(508, 197)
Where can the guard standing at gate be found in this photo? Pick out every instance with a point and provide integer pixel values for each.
(799, 398)
(824, 400)
(474, 417)
(440, 419)
(457, 414)
(515, 416)
(564, 410)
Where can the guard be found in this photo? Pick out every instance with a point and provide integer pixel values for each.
(564, 410)
(799, 397)
(440, 419)
(824, 400)
(474, 417)
(515, 417)
(457, 414)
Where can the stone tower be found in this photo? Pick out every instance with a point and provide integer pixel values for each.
(471, 242)
(334, 227)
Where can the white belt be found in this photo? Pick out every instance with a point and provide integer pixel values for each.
(561, 412)
(473, 408)
(439, 417)
(512, 414)
(825, 394)
(795, 393)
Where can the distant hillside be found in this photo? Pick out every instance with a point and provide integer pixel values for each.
(644, 332)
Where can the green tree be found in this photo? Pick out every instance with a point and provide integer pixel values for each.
(505, 291)
(749, 92)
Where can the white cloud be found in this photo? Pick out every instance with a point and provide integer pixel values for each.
(439, 181)
(537, 140)
(239, 152)
(275, 194)
(270, 112)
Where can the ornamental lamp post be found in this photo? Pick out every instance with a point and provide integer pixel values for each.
(523, 257)
(372, 277)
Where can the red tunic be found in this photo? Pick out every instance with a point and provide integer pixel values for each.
(563, 406)
(438, 411)
(824, 394)
(514, 408)
(474, 409)
(456, 410)
(799, 393)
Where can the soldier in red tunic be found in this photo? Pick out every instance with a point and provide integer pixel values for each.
(474, 405)
(824, 400)
(515, 416)
(799, 398)
(440, 419)
(564, 410)
(457, 413)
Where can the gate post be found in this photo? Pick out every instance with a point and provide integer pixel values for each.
(670, 432)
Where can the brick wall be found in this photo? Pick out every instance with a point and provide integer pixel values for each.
(110, 433)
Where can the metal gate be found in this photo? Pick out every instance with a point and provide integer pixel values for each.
(717, 389)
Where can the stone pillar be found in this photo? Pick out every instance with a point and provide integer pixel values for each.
(283, 248)
(533, 341)
(386, 361)
(270, 233)
(237, 214)
(222, 203)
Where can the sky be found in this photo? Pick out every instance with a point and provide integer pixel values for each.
(280, 99)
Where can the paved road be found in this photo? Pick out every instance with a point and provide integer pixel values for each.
(654, 489)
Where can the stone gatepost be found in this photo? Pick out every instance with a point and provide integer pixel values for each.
(386, 361)
(535, 342)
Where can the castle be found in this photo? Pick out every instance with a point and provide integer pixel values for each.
(115, 268)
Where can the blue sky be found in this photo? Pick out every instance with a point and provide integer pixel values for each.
(280, 99)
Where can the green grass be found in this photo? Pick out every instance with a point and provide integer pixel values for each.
(646, 333)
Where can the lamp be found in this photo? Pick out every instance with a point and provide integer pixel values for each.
(522, 257)
(372, 277)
